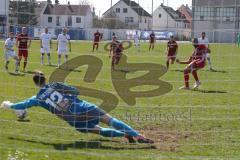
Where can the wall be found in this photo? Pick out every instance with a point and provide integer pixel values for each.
(164, 22)
(217, 31)
(131, 13)
(86, 22)
(4, 7)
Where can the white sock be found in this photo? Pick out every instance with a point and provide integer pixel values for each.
(42, 57)
(49, 59)
(65, 59)
(59, 61)
(16, 65)
(209, 62)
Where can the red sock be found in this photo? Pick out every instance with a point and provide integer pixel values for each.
(24, 64)
(186, 78)
(194, 73)
(167, 64)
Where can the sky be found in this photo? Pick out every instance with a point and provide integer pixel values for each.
(102, 5)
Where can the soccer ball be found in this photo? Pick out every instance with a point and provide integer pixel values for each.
(21, 114)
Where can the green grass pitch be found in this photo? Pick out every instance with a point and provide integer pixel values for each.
(201, 124)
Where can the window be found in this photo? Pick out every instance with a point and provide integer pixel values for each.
(129, 20)
(69, 20)
(125, 10)
(118, 10)
(145, 20)
(78, 20)
(228, 19)
(160, 15)
(58, 21)
(201, 18)
(49, 19)
(226, 14)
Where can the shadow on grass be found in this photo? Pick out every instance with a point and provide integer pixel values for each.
(24, 120)
(72, 70)
(16, 74)
(52, 65)
(176, 70)
(92, 144)
(209, 91)
(65, 68)
(216, 71)
(30, 72)
(122, 70)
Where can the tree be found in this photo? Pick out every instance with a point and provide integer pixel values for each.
(49, 1)
(23, 12)
(111, 21)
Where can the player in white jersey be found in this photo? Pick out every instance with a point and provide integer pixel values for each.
(204, 40)
(63, 41)
(137, 41)
(46, 43)
(9, 51)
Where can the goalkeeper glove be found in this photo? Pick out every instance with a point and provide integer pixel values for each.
(6, 104)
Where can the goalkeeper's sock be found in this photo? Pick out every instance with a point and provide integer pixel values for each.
(108, 132)
(121, 126)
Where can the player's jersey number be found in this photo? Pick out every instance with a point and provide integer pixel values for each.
(58, 101)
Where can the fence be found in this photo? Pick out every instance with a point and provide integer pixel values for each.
(122, 34)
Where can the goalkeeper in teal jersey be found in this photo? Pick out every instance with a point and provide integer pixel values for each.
(238, 40)
(62, 100)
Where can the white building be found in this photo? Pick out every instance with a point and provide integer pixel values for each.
(73, 16)
(4, 7)
(166, 18)
(219, 19)
(130, 13)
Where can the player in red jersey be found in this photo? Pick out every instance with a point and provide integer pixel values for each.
(195, 62)
(172, 48)
(112, 46)
(97, 38)
(152, 41)
(23, 43)
(115, 52)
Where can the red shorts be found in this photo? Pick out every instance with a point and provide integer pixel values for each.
(23, 53)
(198, 66)
(152, 41)
(117, 57)
(171, 57)
(95, 42)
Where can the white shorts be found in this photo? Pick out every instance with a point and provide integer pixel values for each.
(9, 54)
(136, 43)
(62, 51)
(45, 50)
(207, 55)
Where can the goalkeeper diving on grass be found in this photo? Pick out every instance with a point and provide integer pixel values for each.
(62, 100)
